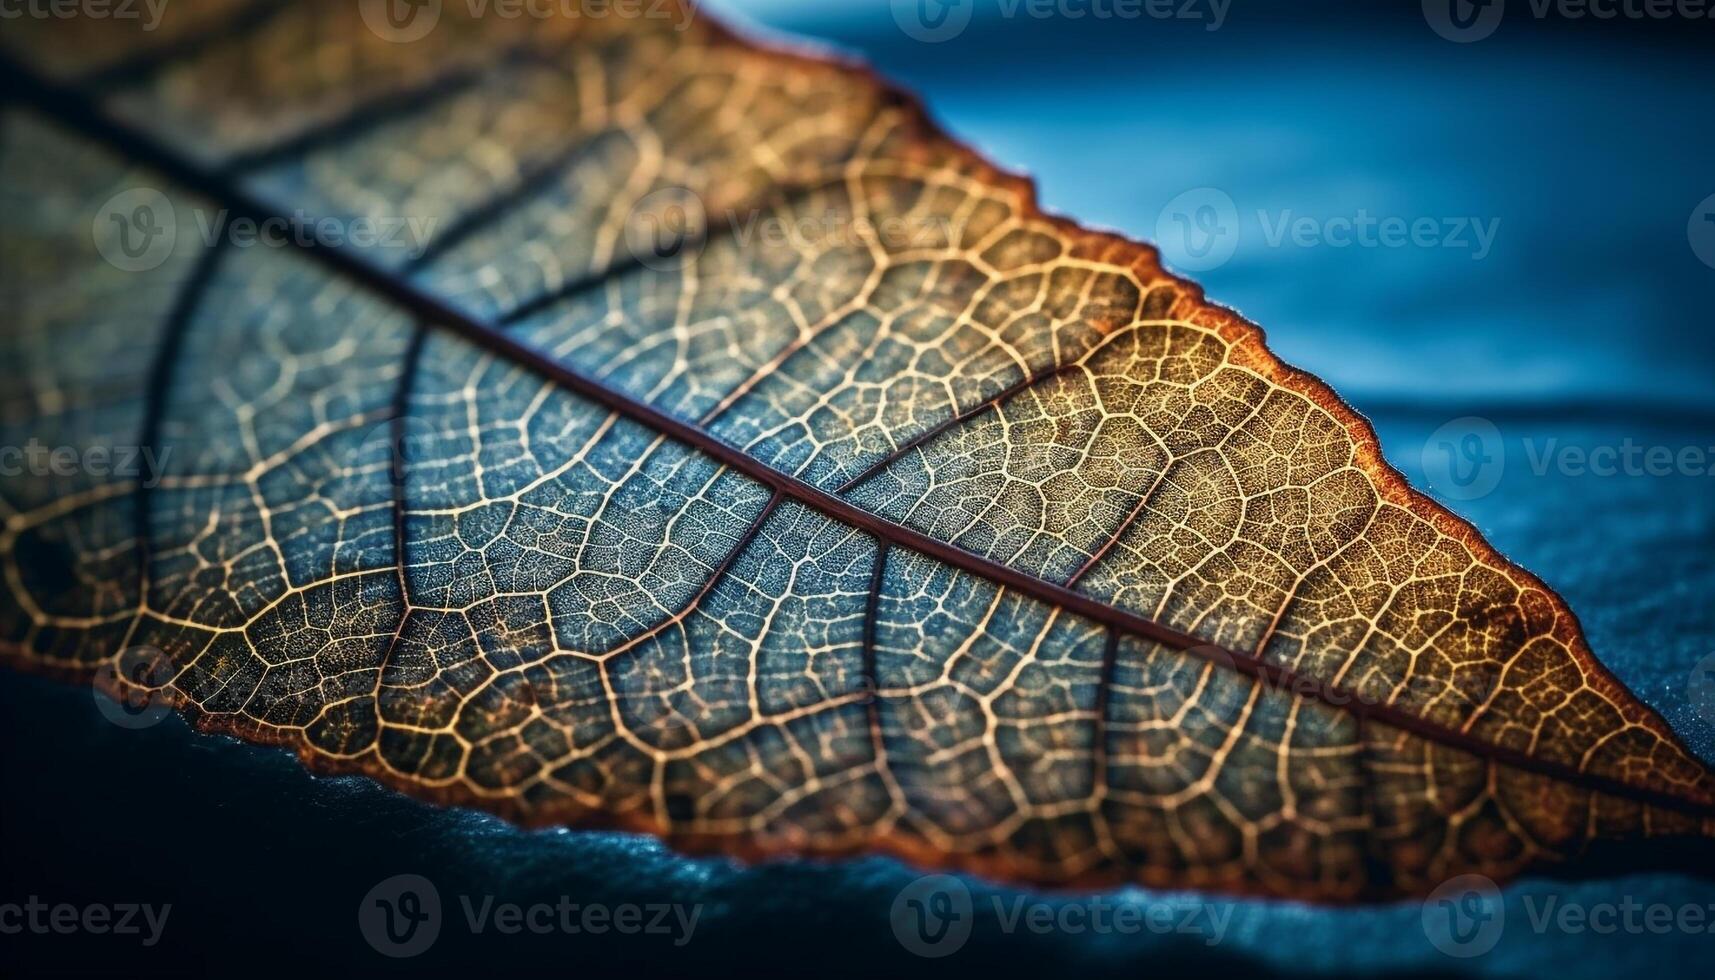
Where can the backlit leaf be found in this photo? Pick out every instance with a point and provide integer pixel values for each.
(714, 448)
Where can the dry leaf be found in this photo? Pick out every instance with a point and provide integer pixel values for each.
(718, 450)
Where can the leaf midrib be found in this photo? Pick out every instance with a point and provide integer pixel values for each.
(67, 107)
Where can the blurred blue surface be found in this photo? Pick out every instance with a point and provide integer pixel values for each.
(1587, 323)
(1585, 145)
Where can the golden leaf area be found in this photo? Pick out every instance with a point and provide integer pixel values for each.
(720, 451)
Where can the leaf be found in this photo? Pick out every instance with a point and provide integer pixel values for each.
(725, 453)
